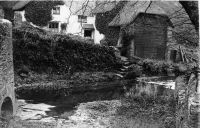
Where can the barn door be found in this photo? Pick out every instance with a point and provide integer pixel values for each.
(139, 51)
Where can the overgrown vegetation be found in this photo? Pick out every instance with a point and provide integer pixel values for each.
(102, 21)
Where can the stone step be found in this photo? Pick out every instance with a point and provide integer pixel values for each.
(127, 64)
(123, 69)
(120, 75)
(123, 58)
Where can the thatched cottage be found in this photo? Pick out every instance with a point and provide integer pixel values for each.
(146, 29)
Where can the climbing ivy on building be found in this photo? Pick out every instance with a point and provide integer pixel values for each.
(39, 12)
(102, 21)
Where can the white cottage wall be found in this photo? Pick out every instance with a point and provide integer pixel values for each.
(73, 26)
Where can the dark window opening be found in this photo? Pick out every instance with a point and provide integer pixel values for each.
(56, 10)
(53, 25)
(82, 19)
(88, 33)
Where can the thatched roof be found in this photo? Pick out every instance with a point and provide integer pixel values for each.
(104, 7)
(14, 5)
(133, 8)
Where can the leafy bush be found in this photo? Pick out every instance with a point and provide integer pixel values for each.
(40, 52)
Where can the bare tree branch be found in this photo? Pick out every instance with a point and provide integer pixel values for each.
(148, 6)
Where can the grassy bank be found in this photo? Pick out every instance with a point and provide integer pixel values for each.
(158, 112)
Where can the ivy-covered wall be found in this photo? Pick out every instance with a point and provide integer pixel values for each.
(102, 21)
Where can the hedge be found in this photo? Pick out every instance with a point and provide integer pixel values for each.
(40, 51)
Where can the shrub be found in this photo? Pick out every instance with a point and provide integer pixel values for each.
(40, 51)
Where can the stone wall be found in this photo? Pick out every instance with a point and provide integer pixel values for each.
(6, 67)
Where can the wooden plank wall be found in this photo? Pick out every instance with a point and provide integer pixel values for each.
(150, 36)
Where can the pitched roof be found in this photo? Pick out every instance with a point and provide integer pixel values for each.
(130, 11)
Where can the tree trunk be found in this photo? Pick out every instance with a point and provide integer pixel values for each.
(191, 8)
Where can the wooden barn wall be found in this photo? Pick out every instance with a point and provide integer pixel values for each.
(150, 36)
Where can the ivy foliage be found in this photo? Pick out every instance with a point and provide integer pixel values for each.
(102, 21)
(39, 12)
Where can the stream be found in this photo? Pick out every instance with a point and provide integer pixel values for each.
(92, 109)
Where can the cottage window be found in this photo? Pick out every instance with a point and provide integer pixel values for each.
(82, 18)
(56, 10)
(53, 25)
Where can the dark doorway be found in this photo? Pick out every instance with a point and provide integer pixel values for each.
(88, 33)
